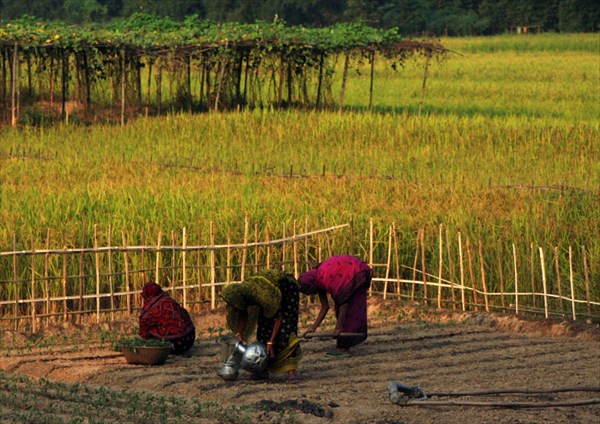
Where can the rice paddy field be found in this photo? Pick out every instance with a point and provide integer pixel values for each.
(506, 150)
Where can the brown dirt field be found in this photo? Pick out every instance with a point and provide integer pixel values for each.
(441, 351)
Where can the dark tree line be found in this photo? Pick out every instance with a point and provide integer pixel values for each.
(432, 17)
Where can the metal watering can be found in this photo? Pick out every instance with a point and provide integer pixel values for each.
(252, 357)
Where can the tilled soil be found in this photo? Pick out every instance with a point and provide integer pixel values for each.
(466, 353)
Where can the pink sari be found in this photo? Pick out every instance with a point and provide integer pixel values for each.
(347, 279)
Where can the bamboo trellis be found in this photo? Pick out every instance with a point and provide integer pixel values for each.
(111, 278)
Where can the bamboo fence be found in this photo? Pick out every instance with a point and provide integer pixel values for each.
(50, 285)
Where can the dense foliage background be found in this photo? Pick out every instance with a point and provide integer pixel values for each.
(431, 17)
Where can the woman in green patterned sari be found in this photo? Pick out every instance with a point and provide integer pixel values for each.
(268, 303)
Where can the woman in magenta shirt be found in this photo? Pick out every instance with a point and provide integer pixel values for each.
(347, 280)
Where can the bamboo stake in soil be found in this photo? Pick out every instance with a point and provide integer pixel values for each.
(16, 315)
(483, 282)
(46, 276)
(183, 260)
(572, 283)
(388, 263)
(470, 261)
(371, 250)
(228, 270)
(414, 268)
(558, 285)
(64, 279)
(110, 274)
(516, 280)
(451, 270)
(256, 249)
(97, 259)
(462, 272)
(213, 271)
(33, 314)
(423, 266)
(587, 279)
(126, 264)
(295, 250)
(440, 265)
(245, 250)
(500, 273)
(157, 265)
(544, 282)
(397, 259)
(268, 240)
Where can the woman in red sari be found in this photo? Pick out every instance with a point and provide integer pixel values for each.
(163, 318)
(346, 279)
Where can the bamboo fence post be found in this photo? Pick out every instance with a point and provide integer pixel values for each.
(500, 271)
(397, 259)
(423, 267)
(514, 249)
(283, 245)
(199, 265)
(268, 239)
(64, 279)
(472, 275)
(572, 284)
(587, 280)
(462, 272)
(532, 267)
(16, 317)
(428, 57)
(295, 250)
(33, 314)
(245, 250)
(110, 276)
(256, 248)
(371, 250)
(173, 264)
(126, 264)
(228, 269)
(544, 281)
(415, 263)
(81, 257)
(306, 246)
(144, 279)
(451, 270)
(97, 260)
(46, 277)
(440, 267)
(557, 268)
(388, 264)
(157, 264)
(184, 264)
(483, 282)
(319, 248)
(213, 271)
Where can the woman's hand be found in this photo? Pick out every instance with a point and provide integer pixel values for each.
(239, 337)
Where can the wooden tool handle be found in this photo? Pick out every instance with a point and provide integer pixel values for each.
(331, 334)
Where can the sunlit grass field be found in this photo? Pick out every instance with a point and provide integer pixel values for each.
(506, 149)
